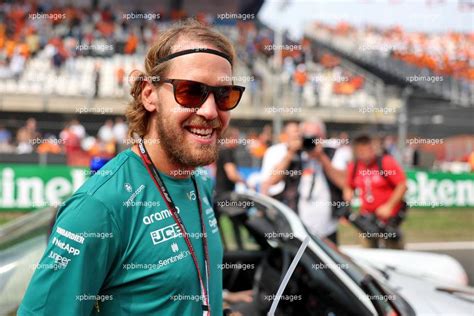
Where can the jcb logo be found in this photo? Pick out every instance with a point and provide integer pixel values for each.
(165, 233)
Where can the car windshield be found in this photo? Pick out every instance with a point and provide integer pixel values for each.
(356, 272)
(281, 224)
(367, 282)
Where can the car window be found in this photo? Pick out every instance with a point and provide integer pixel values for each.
(236, 236)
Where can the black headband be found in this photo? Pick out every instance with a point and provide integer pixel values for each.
(192, 51)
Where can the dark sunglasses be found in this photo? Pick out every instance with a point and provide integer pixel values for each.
(193, 94)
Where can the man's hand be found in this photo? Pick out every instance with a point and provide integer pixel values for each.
(384, 211)
(347, 194)
(317, 153)
(236, 297)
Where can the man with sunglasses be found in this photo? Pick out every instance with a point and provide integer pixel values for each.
(141, 237)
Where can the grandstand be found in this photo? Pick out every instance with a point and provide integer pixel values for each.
(353, 78)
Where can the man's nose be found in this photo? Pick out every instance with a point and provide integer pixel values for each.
(209, 108)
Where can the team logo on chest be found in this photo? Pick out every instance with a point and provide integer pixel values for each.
(166, 233)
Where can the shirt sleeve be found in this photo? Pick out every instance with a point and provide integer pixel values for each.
(393, 170)
(270, 160)
(227, 157)
(342, 157)
(83, 245)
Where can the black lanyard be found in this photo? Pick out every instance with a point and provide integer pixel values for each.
(155, 176)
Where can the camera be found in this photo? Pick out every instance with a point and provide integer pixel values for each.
(368, 223)
(308, 143)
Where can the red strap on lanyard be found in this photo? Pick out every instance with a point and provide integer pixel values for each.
(155, 176)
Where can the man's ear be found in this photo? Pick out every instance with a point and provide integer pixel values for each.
(149, 96)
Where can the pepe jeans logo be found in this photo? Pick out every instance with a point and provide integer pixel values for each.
(165, 233)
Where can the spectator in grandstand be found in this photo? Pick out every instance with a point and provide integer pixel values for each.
(5, 135)
(120, 76)
(49, 145)
(120, 131)
(282, 167)
(288, 70)
(258, 144)
(256, 87)
(300, 78)
(106, 131)
(27, 136)
(227, 174)
(58, 59)
(5, 140)
(24, 142)
(33, 41)
(78, 129)
(17, 65)
(412, 156)
(70, 140)
(470, 160)
(382, 185)
(96, 80)
(390, 147)
(322, 180)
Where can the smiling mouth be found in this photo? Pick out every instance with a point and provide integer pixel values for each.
(204, 133)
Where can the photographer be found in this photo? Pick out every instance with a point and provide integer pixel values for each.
(320, 181)
(227, 174)
(320, 188)
(382, 185)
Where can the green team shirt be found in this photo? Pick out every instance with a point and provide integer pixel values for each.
(115, 249)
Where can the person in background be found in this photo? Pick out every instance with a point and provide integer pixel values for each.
(106, 133)
(24, 142)
(227, 174)
(120, 76)
(470, 160)
(390, 147)
(282, 167)
(5, 140)
(382, 185)
(106, 137)
(50, 145)
(96, 80)
(70, 141)
(27, 136)
(322, 181)
(120, 131)
(78, 129)
(300, 78)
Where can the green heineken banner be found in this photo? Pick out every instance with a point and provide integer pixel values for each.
(28, 187)
(440, 189)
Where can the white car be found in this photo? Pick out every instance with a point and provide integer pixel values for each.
(331, 281)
